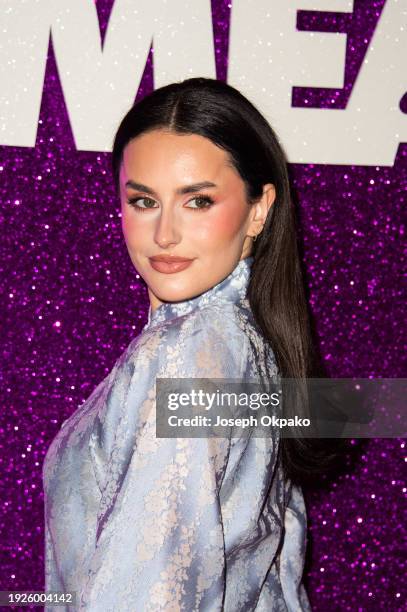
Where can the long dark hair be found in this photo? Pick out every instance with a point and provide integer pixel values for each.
(276, 293)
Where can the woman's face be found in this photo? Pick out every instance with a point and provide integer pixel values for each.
(165, 212)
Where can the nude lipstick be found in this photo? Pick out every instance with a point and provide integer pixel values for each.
(168, 264)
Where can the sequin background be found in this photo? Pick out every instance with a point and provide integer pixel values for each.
(72, 303)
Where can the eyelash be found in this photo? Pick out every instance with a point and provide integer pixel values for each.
(205, 198)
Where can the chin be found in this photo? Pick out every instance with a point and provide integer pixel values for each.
(176, 294)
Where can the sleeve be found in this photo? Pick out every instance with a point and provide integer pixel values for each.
(162, 547)
(292, 554)
(52, 579)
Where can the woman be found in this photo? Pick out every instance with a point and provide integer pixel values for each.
(138, 522)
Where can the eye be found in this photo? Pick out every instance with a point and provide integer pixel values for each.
(206, 202)
(135, 203)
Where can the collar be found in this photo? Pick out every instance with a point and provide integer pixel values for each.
(231, 289)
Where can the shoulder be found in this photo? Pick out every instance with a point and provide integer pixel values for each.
(218, 333)
(222, 321)
(218, 319)
(204, 342)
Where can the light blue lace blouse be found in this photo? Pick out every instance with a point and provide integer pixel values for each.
(136, 523)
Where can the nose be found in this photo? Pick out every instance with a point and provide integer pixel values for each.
(166, 233)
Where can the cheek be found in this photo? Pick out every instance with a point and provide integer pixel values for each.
(220, 224)
(132, 227)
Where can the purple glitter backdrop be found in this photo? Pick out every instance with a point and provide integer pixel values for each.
(73, 302)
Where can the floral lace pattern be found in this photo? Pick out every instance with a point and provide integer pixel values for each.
(145, 524)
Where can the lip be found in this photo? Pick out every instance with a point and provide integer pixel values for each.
(169, 264)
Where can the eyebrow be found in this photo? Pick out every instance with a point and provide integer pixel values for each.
(194, 188)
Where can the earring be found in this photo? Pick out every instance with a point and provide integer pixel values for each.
(255, 238)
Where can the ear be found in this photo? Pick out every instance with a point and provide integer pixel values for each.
(261, 209)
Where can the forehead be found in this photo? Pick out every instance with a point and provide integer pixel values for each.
(179, 156)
